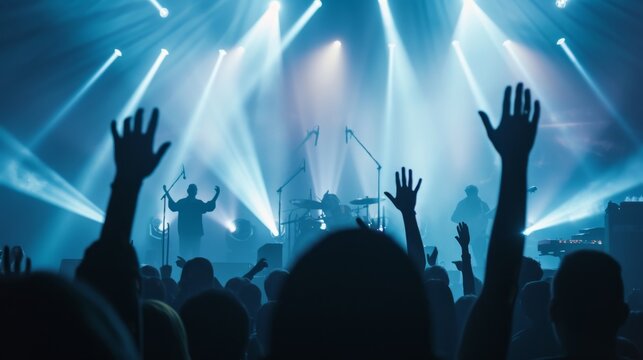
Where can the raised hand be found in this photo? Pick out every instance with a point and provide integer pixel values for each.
(432, 258)
(514, 137)
(463, 237)
(217, 190)
(180, 262)
(405, 196)
(17, 264)
(133, 151)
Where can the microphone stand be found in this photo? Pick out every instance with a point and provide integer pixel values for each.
(165, 243)
(301, 169)
(309, 134)
(350, 133)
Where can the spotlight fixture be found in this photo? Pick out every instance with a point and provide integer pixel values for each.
(241, 230)
(118, 53)
(165, 52)
(222, 52)
(275, 5)
(560, 41)
(164, 12)
(337, 44)
(506, 43)
(317, 3)
(455, 43)
(561, 4)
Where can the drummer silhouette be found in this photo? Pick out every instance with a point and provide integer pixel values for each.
(336, 216)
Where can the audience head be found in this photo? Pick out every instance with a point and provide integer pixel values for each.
(235, 284)
(355, 294)
(166, 271)
(163, 333)
(530, 270)
(274, 282)
(463, 307)
(152, 288)
(197, 274)
(534, 298)
(587, 305)
(436, 272)
(263, 325)
(46, 317)
(150, 271)
(217, 326)
(250, 296)
(192, 190)
(471, 191)
(443, 318)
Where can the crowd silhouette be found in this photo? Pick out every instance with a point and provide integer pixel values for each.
(354, 295)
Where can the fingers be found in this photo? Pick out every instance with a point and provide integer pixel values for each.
(127, 126)
(161, 152)
(410, 183)
(404, 177)
(518, 100)
(6, 262)
(536, 116)
(389, 196)
(418, 185)
(486, 122)
(397, 180)
(506, 102)
(138, 121)
(115, 135)
(527, 108)
(151, 127)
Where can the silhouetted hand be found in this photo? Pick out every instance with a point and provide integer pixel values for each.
(514, 137)
(180, 262)
(217, 190)
(17, 264)
(463, 237)
(432, 258)
(405, 196)
(133, 151)
(261, 264)
(166, 271)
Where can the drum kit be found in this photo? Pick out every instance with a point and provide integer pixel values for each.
(309, 221)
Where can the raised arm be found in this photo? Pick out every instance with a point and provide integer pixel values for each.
(212, 204)
(488, 330)
(261, 264)
(463, 238)
(110, 264)
(405, 200)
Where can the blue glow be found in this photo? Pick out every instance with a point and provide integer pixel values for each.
(60, 115)
(22, 171)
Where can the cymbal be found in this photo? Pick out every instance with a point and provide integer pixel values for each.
(365, 201)
(306, 204)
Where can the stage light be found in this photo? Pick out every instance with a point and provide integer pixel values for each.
(164, 12)
(591, 200)
(24, 172)
(241, 230)
(337, 44)
(478, 95)
(391, 45)
(299, 24)
(103, 149)
(317, 3)
(560, 41)
(455, 43)
(60, 115)
(222, 52)
(275, 5)
(241, 49)
(231, 226)
(506, 43)
(561, 4)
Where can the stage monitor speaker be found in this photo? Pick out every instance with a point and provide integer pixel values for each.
(273, 253)
(68, 267)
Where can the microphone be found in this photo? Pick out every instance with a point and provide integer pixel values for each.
(183, 171)
(346, 133)
(316, 131)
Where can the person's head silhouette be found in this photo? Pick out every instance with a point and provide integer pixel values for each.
(471, 191)
(588, 305)
(192, 190)
(355, 294)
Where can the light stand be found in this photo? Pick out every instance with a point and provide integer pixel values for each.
(350, 134)
(301, 169)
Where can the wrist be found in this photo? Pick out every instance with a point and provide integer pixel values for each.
(122, 181)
